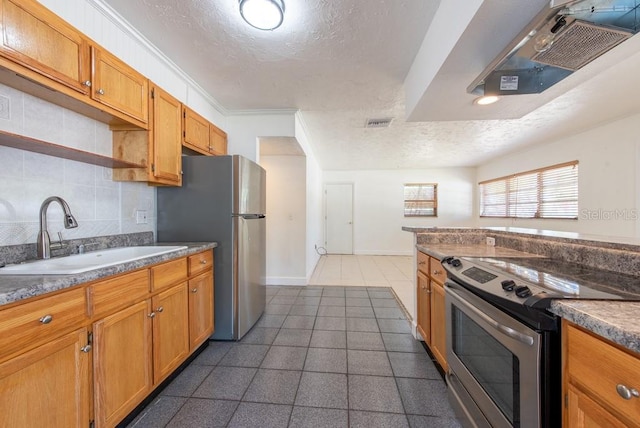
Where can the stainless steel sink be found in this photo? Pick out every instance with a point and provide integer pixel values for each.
(79, 263)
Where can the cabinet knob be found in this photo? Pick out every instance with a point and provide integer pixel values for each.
(437, 272)
(86, 349)
(422, 263)
(46, 319)
(626, 392)
(203, 262)
(160, 309)
(152, 315)
(194, 290)
(87, 83)
(100, 91)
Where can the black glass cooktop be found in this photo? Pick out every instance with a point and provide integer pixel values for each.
(572, 280)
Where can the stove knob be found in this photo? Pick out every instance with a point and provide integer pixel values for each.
(456, 262)
(523, 291)
(508, 284)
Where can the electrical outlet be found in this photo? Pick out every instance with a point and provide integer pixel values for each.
(141, 217)
(491, 241)
(5, 107)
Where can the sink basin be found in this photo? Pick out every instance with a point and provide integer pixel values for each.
(79, 263)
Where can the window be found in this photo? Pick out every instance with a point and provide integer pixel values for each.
(550, 192)
(421, 200)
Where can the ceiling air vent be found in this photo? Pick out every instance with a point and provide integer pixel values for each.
(378, 123)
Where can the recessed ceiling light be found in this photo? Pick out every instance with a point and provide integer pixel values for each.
(262, 14)
(486, 100)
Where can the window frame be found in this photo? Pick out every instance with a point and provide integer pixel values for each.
(434, 187)
(538, 192)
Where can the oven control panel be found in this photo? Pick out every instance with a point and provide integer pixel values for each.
(486, 281)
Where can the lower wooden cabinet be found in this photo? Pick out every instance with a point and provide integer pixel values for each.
(430, 298)
(599, 380)
(48, 386)
(201, 305)
(122, 362)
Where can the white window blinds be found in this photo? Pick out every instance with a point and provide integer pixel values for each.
(421, 200)
(550, 192)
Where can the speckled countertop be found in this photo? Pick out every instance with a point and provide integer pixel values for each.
(18, 287)
(439, 251)
(618, 321)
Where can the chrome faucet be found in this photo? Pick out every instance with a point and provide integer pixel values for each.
(44, 245)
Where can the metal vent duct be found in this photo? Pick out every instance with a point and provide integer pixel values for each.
(378, 123)
(561, 39)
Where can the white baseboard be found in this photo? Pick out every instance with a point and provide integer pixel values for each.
(383, 253)
(291, 280)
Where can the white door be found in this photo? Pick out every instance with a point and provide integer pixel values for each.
(339, 218)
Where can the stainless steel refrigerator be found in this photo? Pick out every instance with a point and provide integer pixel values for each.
(222, 199)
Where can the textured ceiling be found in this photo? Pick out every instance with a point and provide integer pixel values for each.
(341, 62)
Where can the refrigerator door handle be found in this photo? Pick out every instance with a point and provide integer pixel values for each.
(249, 216)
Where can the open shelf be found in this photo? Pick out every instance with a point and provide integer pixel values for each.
(30, 144)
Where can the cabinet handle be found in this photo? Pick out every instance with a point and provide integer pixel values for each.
(152, 315)
(100, 91)
(194, 290)
(160, 309)
(46, 319)
(626, 392)
(422, 263)
(437, 272)
(86, 349)
(87, 83)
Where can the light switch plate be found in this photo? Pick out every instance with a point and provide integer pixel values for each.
(5, 107)
(491, 241)
(141, 217)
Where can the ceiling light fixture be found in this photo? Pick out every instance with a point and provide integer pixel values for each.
(263, 14)
(486, 100)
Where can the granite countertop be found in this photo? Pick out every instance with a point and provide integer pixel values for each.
(14, 288)
(614, 320)
(440, 251)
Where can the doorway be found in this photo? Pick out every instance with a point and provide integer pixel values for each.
(338, 218)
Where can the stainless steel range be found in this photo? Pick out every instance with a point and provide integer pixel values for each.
(503, 346)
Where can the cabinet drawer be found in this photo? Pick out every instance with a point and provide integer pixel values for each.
(598, 368)
(30, 324)
(436, 271)
(111, 294)
(423, 262)
(168, 273)
(200, 262)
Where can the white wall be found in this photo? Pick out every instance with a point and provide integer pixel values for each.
(378, 205)
(314, 232)
(286, 219)
(244, 130)
(608, 183)
(101, 206)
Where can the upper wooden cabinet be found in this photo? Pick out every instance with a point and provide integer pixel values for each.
(159, 149)
(196, 131)
(119, 86)
(218, 141)
(37, 39)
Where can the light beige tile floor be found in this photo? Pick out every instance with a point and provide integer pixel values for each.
(369, 271)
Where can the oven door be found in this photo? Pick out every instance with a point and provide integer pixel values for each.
(494, 363)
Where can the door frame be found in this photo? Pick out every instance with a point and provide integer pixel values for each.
(326, 207)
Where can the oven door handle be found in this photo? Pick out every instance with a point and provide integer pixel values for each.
(527, 340)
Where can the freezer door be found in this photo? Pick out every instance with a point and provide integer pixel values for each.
(251, 271)
(250, 186)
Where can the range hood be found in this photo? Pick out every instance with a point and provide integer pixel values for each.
(565, 36)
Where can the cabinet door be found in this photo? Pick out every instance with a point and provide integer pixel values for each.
(424, 307)
(119, 86)
(35, 38)
(200, 309)
(583, 412)
(47, 386)
(170, 330)
(196, 132)
(217, 141)
(438, 327)
(166, 142)
(122, 362)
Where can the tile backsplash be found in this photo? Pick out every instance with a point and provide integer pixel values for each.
(101, 206)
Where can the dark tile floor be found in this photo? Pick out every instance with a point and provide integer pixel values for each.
(318, 357)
